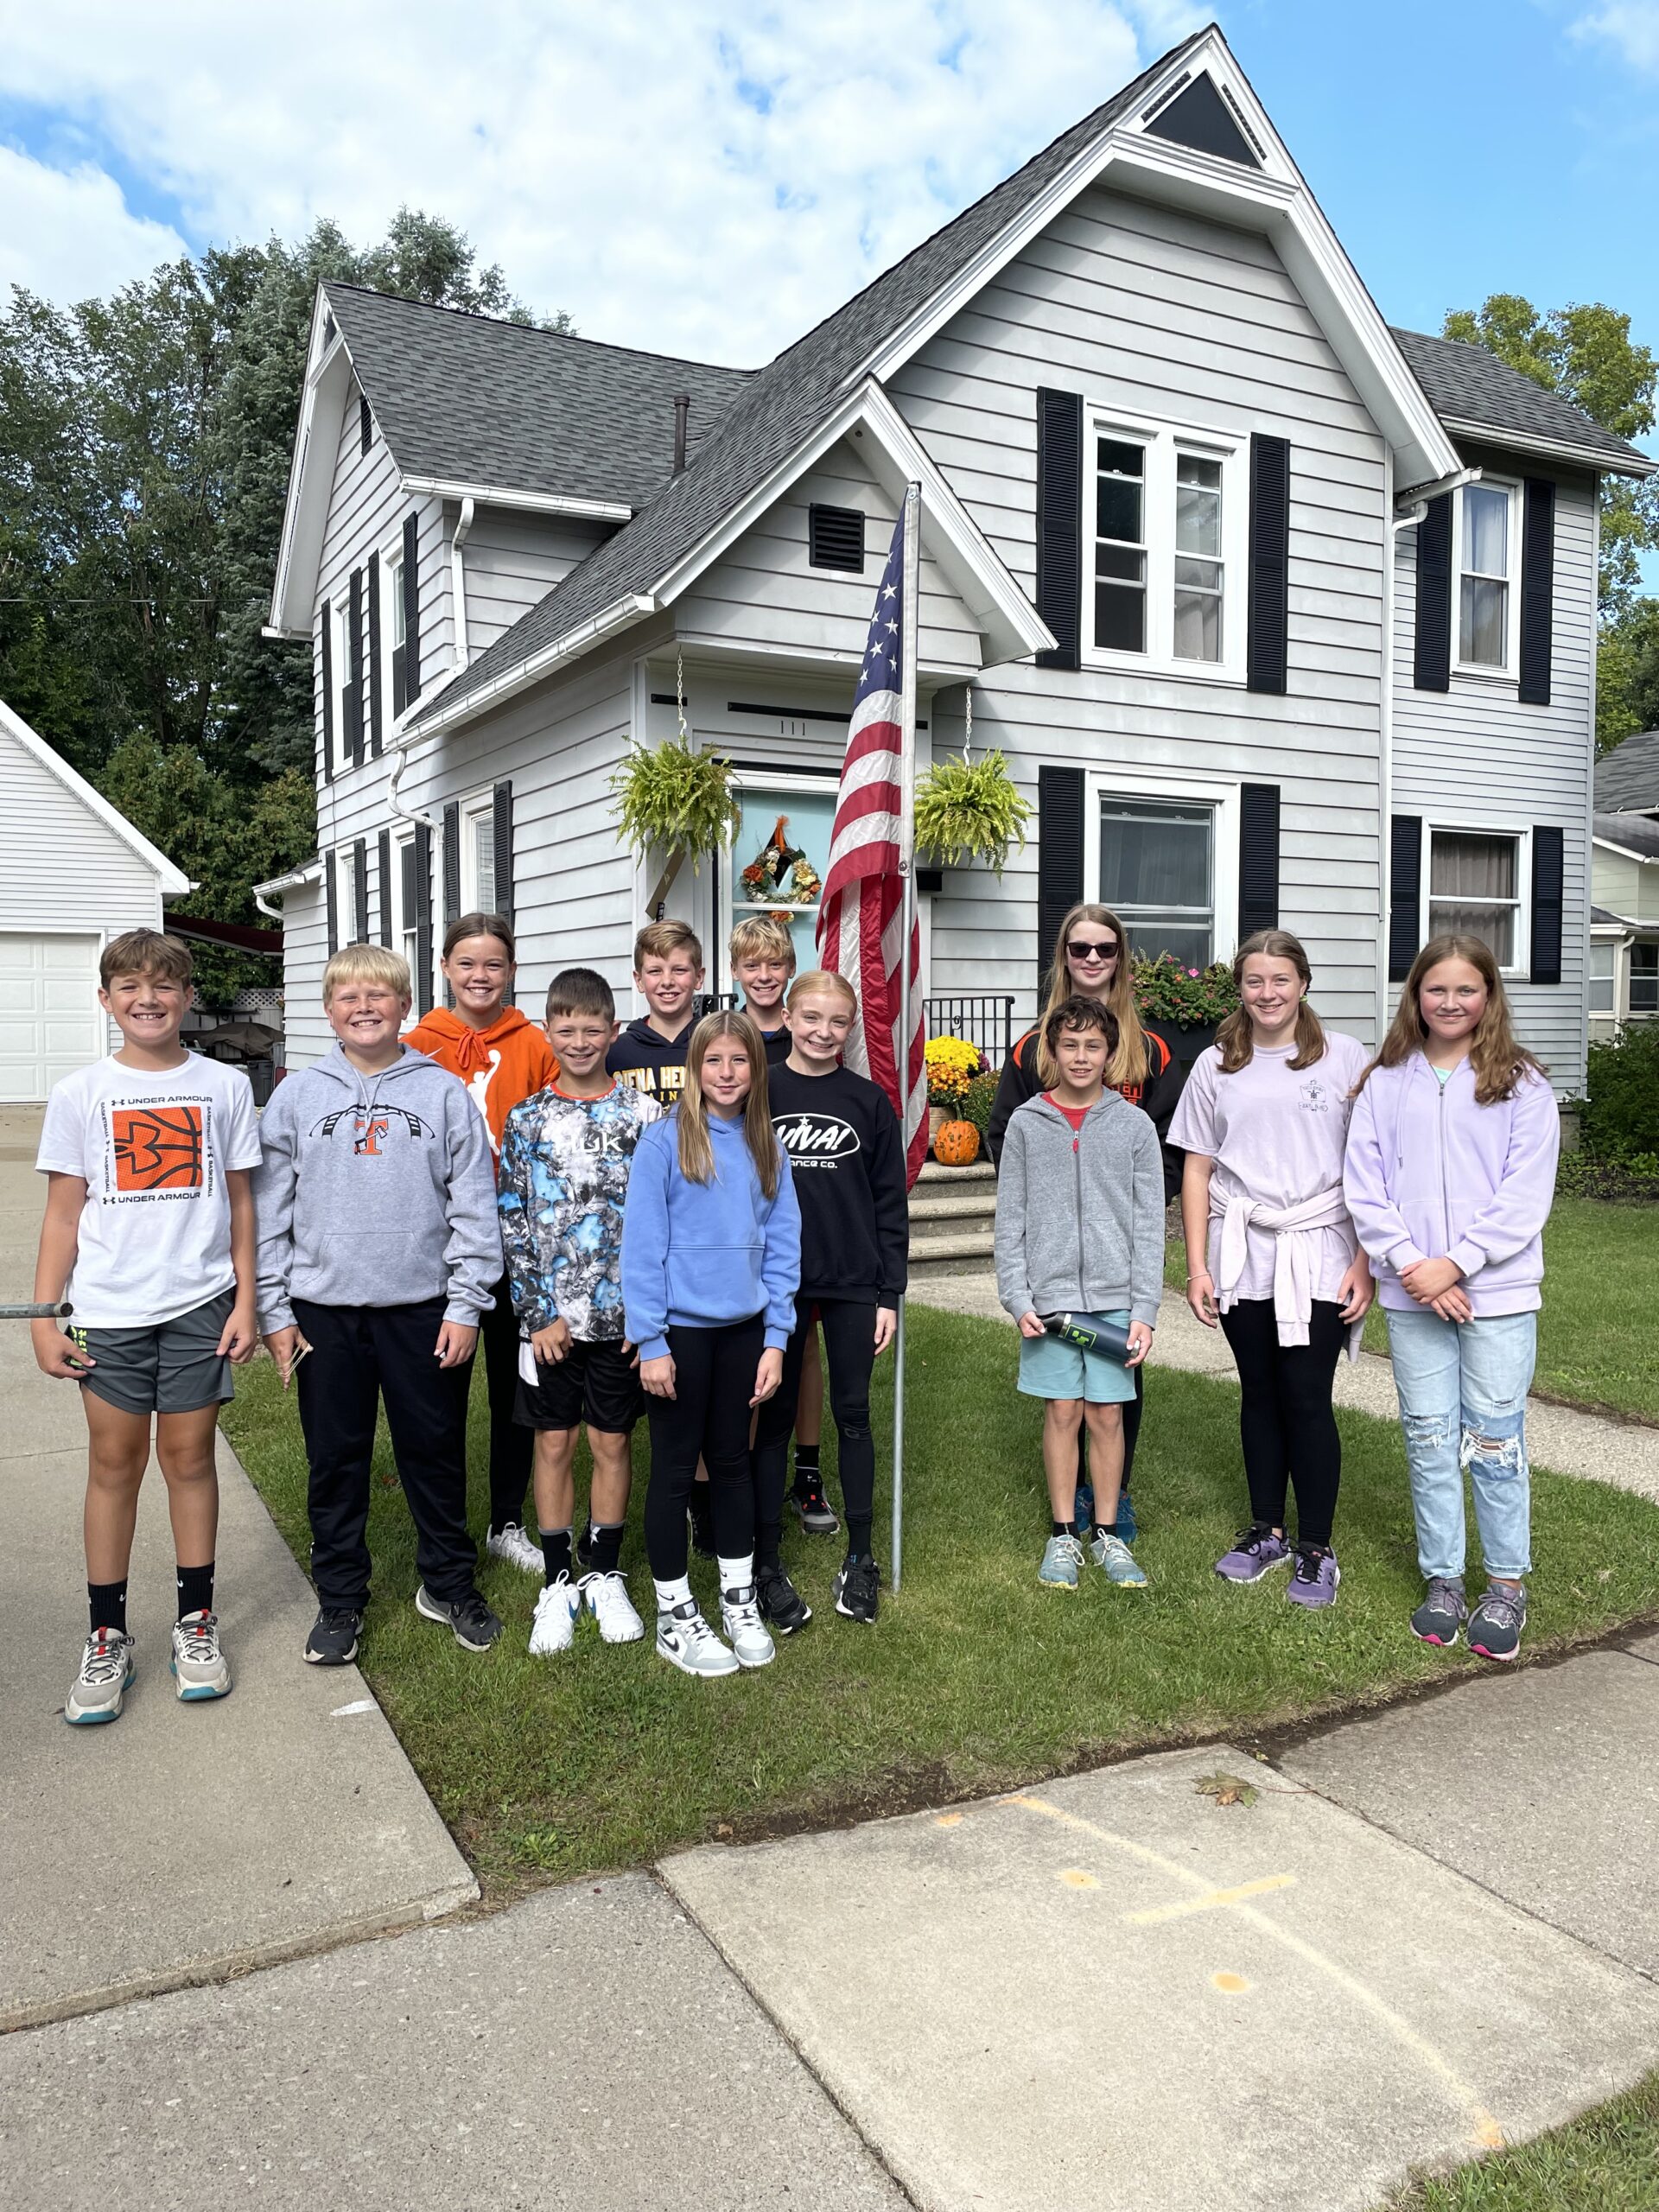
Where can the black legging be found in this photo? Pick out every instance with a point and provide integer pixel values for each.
(510, 1447)
(707, 1417)
(1285, 1421)
(849, 1327)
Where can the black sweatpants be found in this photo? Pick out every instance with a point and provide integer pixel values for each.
(1285, 1421)
(511, 1447)
(360, 1356)
(706, 1418)
(849, 1325)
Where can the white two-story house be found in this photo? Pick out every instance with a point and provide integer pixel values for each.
(1279, 615)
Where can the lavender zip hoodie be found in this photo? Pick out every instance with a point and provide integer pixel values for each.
(1430, 1174)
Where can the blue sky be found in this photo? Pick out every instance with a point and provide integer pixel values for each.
(712, 179)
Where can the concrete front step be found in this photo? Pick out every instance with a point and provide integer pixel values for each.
(972, 1205)
(979, 1171)
(965, 1252)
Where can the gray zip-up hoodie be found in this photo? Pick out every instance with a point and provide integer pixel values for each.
(375, 1190)
(1080, 1216)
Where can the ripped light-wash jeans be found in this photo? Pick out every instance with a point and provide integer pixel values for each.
(1463, 1404)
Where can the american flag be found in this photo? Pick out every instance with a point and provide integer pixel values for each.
(861, 917)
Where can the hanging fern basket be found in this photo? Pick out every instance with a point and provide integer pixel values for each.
(676, 802)
(969, 811)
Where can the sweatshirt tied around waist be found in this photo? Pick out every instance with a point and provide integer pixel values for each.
(1296, 1254)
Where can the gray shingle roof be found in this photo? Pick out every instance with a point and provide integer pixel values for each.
(1466, 383)
(1628, 775)
(780, 408)
(1634, 831)
(461, 397)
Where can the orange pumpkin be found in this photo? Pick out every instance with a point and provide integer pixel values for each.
(956, 1145)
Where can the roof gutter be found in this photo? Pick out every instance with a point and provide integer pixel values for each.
(1605, 464)
(502, 495)
(295, 880)
(627, 610)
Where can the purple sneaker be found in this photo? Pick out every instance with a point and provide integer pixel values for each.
(1314, 1582)
(1255, 1551)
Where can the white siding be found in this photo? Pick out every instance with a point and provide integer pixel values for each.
(512, 560)
(1164, 316)
(1473, 757)
(305, 1035)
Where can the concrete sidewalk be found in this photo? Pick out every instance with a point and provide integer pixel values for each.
(184, 1841)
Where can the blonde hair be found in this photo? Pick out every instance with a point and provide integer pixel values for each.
(145, 952)
(821, 979)
(1236, 1039)
(661, 940)
(366, 963)
(1499, 1062)
(1129, 1059)
(756, 935)
(691, 1114)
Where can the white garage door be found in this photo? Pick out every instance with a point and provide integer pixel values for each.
(50, 1020)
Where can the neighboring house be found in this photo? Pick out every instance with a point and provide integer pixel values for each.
(1203, 535)
(1624, 884)
(74, 874)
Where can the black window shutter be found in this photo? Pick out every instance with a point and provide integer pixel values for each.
(412, 576)
(502, 826)
(364, 422)
(328, 693)
(331, 899)
(1405, 891)
(360, 893)
(451, 862)
(1059, 529)
(1548, 894)
(1537, 590)
(374, 654)
(1267, 652)
(1433, 670)
(1258, 859)
(422, 849)
(386, 886)
(1059, 858)
(354, 673)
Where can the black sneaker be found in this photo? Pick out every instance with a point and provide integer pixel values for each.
(333, 1640)
(782, 1606)
(856, 1583)
(817, 1514)
(469, 1620)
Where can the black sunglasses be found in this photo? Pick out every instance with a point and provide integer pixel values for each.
(1083, 948)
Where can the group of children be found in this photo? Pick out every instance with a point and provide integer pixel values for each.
(1311, 1176)
(664, 1219)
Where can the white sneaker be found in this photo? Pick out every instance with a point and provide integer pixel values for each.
(741, 1613)
(513, 1545)
(686, 1641)
(611, 1606)
(106, 1670)
(554, 1628)
(199, 1668)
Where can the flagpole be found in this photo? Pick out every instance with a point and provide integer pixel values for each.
(911, 632)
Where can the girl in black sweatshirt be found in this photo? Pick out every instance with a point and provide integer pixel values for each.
(847, 1154)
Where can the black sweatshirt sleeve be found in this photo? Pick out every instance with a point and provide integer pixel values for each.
(891, 1201)
(1160, 1099)
(1017, 1083)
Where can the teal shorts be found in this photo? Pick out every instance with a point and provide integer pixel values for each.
(1049, 1368)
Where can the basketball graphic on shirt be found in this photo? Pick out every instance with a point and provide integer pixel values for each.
(158, 1147)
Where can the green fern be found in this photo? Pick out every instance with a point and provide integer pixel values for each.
(969, 809)
(671, 799)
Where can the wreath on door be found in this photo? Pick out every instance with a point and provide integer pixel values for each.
(782, 871)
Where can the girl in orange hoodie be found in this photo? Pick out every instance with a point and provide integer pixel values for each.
(503, 1059)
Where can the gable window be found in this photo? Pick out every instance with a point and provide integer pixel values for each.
(394, 621)
(1166, 518)
(1474, 890)
(1487, 552)
(1157, 871)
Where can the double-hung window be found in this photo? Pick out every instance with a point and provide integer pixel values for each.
(1644, 979)
(1603, 958)
(1474, 889)
(477, 857)
(1169, 513)
(408, 904)
(1157, 872)
(1487, 556)
(393, 626)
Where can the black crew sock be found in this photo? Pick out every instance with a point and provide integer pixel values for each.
(702, 1510)
(1066, 1527)
(556, 1552)
(195, 1589)
(806, 1467)
(107, 1603)
(604, 1546)
(858, 1534)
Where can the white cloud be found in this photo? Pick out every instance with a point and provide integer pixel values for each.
(67, 232)
(711, 177)
(1632, 26)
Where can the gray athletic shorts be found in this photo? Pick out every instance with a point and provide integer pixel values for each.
(172, 1367)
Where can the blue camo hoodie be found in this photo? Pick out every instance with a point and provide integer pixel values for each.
(375, 1190)
(694, 1255)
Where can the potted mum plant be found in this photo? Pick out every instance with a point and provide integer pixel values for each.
(952, 1066)
(676, 802)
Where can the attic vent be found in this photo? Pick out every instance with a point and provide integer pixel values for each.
(1200, 118)
(836, 539)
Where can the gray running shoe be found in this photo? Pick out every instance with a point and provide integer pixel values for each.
(1441, 1616)
(106, 1670)
(1062, 1557)
(686, 1641)
(199, 1668)
(1495, 1625)
(1113, 1556)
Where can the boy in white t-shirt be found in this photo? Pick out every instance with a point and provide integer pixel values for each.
(149, 1232)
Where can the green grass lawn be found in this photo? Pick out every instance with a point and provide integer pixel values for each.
(974, 1677)
(1606, 2161)
(1600, 1317)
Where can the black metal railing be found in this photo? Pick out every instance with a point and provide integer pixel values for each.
(983, 1018)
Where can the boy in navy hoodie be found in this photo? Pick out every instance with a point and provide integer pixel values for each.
(668, 972)
(379, 1244)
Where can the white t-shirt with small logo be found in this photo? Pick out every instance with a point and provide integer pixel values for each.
(155, 1235)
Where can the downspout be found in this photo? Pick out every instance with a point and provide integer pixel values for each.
(458, 577)
(265, 907)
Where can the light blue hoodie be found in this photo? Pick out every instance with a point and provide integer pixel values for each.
(696, 1254)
